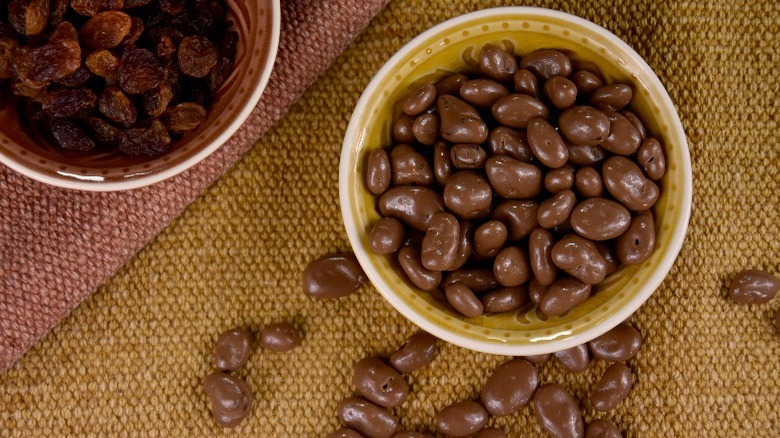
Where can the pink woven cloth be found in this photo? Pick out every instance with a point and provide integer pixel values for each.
(57, 246)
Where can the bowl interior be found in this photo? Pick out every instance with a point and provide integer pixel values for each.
(445, 49)
(27, 151)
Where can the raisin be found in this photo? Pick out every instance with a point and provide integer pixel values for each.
(7, 31)
(58, 10)
(76, 79)
(219, 74)
(117, 107)
(227, 44)
(164, 48)
(36, 16)
(88, 7)
(145, 141)
(197, 92)
(136, 3)
(139, 71)
(172, 6)
(136, 29)
(204, 17)
(101, 131)
(197, 56)
(33, 90)
(71, 137)
(156, 101)
(152, 15)
(102, 63)
(57, 58)
(7, 47)
(106, 29)
(17, 15)
(184, 117)
(69, 102)
(116, 5)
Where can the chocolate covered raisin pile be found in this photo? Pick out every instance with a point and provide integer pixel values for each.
(523, 179)
(105, 75)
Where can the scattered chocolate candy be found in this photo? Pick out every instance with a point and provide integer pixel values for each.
(418, 351)
(617, 345)
(461, 419)
(406, 434)
(345, 433)
(753, 287)
(558, 412)
(613, 387)
(538, 358)
(333, 276)
(602, 429)
(575, 359)
(231, 398)
(280, 337)
(367, 418)
(490, 432)
(509, 387)
(379, 383)
(232, 349)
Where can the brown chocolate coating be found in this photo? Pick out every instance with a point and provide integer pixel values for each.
(547, 63)
(497, 63)
(505, 299)
(468, 195)
(574, 359)
(386, 236)
(232, 349)
(513, 179)
(460, 122)
(345, 433)
(442, 164)
(609, 254)
(482, 93)
(588, 183)
(600, 219)
(561, 92)
(510, 142)
(410, 167)
(418, 99)
(407, 434)
(753, 287)
(636, 121)
(230, 397)
(477, 279)
(557, 180)
(579, 258)
(651, 159)
(526, 83)
(558, 412)
(626, 182)
(602, 429)
(414, 206)
(426, 128)
(536, 291)
(540, 245)
(464, 245)
(624, 138)
(586, 82)
(638, 242)
(556, 210)
(617, 345)
(491, 432)
(546, 144)
(462, 299)
(367, 418)
(280, 337)
(468, 156)
(538, 358)
(379, 383)
(440, 244)
(509, 387)
(418, 275)
(512, 267)
(584, 125)
(378, 171)
(333, 276)
(584, 155)
(402, 129)
(520, 217)
(612, 97)
(450, 84)
(563, 295)
(418, 351)
(516, 110)
(461, 419)
(612, 388)
(489, 238)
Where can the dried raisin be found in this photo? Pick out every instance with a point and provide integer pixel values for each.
(227, 44)
(58, 10)
(219, 74)
(145, 141)
(102, 63)
(172, 6)
(165, 47)
(155, 101)
(36, 16)
(76, 79)
(106, 29)
(102, 132)
(57, 58)
(184, 117)
(71, 137)
(139, 71)
(7, 47)
(33, 90)
(136, 3)
(69, 102)
(117, 107)
(136, 29)
(197, 56)
(88, 7)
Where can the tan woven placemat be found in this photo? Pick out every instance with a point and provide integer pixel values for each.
(130, 359)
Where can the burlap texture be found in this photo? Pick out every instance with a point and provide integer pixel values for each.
(130, 359)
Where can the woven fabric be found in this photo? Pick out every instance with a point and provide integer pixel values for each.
(130, 359)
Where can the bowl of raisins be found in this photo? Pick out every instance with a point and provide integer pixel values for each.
(106, 95)
(516, 181)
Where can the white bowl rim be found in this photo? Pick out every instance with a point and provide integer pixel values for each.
(613, 320)
(88, 184)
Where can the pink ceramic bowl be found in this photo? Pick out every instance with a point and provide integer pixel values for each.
(257, 23)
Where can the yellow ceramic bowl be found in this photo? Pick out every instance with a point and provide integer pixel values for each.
(442, 50)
